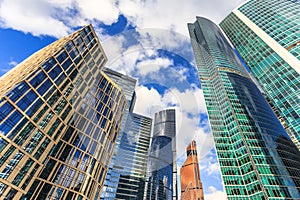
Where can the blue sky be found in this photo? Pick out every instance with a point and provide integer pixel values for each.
(146, 39)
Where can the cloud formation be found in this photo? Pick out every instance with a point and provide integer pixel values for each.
(42, 18)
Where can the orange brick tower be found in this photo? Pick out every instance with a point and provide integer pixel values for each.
(191, 186)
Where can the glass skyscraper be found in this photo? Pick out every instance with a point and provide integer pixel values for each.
(127, 172)
(256, 156)
(60, 116)
(162, 168)
(267, 36)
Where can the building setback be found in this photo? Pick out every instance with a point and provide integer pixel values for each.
(60, 116)
(256, 156)
(162, 169)
(191, 185)
(266, 35)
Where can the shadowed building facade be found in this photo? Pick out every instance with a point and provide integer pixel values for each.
(191, 185)
(266, 35)
(256, 156)
(162, 169)
(59, 120)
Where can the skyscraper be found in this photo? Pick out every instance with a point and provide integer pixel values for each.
(127, 172)
(266, 35)
(132, 157)
(60, 116)
(162, 168)
(253, 149)
(191, 186)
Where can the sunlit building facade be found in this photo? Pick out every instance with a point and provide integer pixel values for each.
(191, 185)
(162, 169)
(256, 156)
(60, 116)
(266, 35)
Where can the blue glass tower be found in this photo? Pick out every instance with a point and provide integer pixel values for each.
(127, 172)
(162, 172)
(257, 158)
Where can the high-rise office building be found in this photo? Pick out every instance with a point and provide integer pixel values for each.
(162, 169)
(266, 35)
(191, 185)
(60, 116)
(130, 165)
(127, 172)
(257, 158)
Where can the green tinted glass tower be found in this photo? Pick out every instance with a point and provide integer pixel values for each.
(267, 36)
(59, 119)
(256, 156)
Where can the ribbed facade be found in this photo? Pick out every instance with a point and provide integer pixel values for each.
(191, 185)
(256, 156)
(266, 35)
(162, 168)
(60, 116)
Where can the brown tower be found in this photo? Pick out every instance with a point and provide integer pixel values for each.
(191, 186)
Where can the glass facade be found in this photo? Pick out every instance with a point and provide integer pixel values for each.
(256, 156)
(128, 175)
(60, 116)
(162, 169)
(266, 35)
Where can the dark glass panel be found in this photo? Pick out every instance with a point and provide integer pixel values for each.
(32, 110)
(67, 64)
(20, 139)
(48, 169)
(18, 91)
(25, 102)
(62, 56)
(10, 122)
(5, 109)
(17, 129)
(49, 64)
(6, 155)
(3, 144)
(24, 170)
(38, 79)
(55, 72)
(42, 148)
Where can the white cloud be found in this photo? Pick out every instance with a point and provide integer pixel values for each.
(147, 66)
(52, 17)
(215, 194)
(105, 11)
(167, 15)
(12, 63)
(31, 16)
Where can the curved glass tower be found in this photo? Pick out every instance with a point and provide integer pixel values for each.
(266, 35)
(255, 153)
(162, 177)
(60, 117)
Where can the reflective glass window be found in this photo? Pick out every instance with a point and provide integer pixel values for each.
(25, 102)
(38, 79)
(5, 109)
(34, 107)
(18, 91)
(67, 64)
(61, 57)
(55, 72)
(10, 122)
(49, 64)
